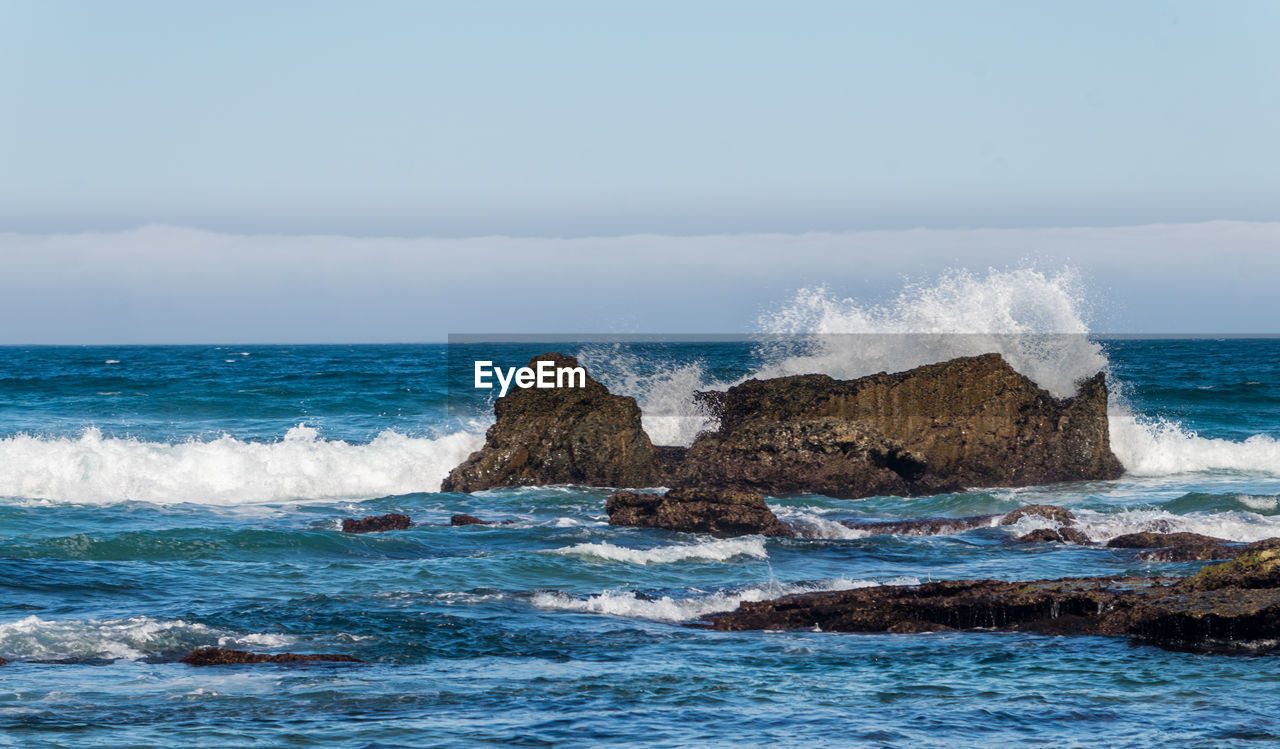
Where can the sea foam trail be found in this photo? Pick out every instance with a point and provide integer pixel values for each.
(1101, 527)
(226, 471)
(722, 550)
(668, 609)
(134, 638)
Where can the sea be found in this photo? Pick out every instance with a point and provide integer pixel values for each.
(157, 499)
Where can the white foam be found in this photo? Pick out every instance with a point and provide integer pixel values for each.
(722, 550)
(628, 604)
(1035, 321)
(134, 638)
(1154, 447)
(809, 523)
(226, 471)
(1101, 527)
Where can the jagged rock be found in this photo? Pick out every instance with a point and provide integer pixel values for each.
(1051, 512)
(829, 456)
(569, 435)
(971, 421)
(1229, 607)
(223, 656)
(377, 523)
(717, 512)
(464, 519)
(1064, 535)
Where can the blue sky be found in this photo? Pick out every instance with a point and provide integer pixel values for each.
(558, 118)
(141, 142)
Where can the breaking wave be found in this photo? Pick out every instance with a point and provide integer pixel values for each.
(722, 550)
(226, 471)
(134, 638)
(630, 604)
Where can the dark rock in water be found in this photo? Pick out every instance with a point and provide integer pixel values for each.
(827, 455)
(464, 519)
(566, 435)
(921, 526)
(1232, 607)
(3, 662)
(718, 512)
(1174, 547)
(1258, 568)
(1052, 512)
(971, 421)
(1064, 535)
(223, 656)
(377, 523)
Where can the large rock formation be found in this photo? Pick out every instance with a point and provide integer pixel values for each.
(827, 455)
(720, 513)
(567, 435)
(1229, 607)
(972, 421)
(968, 422)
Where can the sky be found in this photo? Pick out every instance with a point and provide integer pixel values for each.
(144, 140)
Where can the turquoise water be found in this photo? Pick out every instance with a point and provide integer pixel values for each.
(158, 499)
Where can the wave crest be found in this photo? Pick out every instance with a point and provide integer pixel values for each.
(226, 471)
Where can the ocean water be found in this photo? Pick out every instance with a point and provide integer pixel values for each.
(158, 499)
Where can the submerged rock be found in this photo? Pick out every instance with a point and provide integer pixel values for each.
(1229, 607)
(464, 519)
(223, 656)
(1174, 547)
(921, 526)
(717, 512)
(567, 435)
(377, 523)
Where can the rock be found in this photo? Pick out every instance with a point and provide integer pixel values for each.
(921, 526)
(464, 519)
(223, 656)
(828, 456)
(567, 435)
(3, 662)
(717, 512)
(1179, 615)
(377, 523)
(1065, 535)
(1259, 568)
(1051, 512)
(968, 422)
(1174, 547)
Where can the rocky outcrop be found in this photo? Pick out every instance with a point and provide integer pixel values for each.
(223, 657)
(717, 512)
(827, 455)
(567, 435)
(972, 421)
(1049, 512)
(1229, 607)
(377, 523)
(464, 519)
(968, 422)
